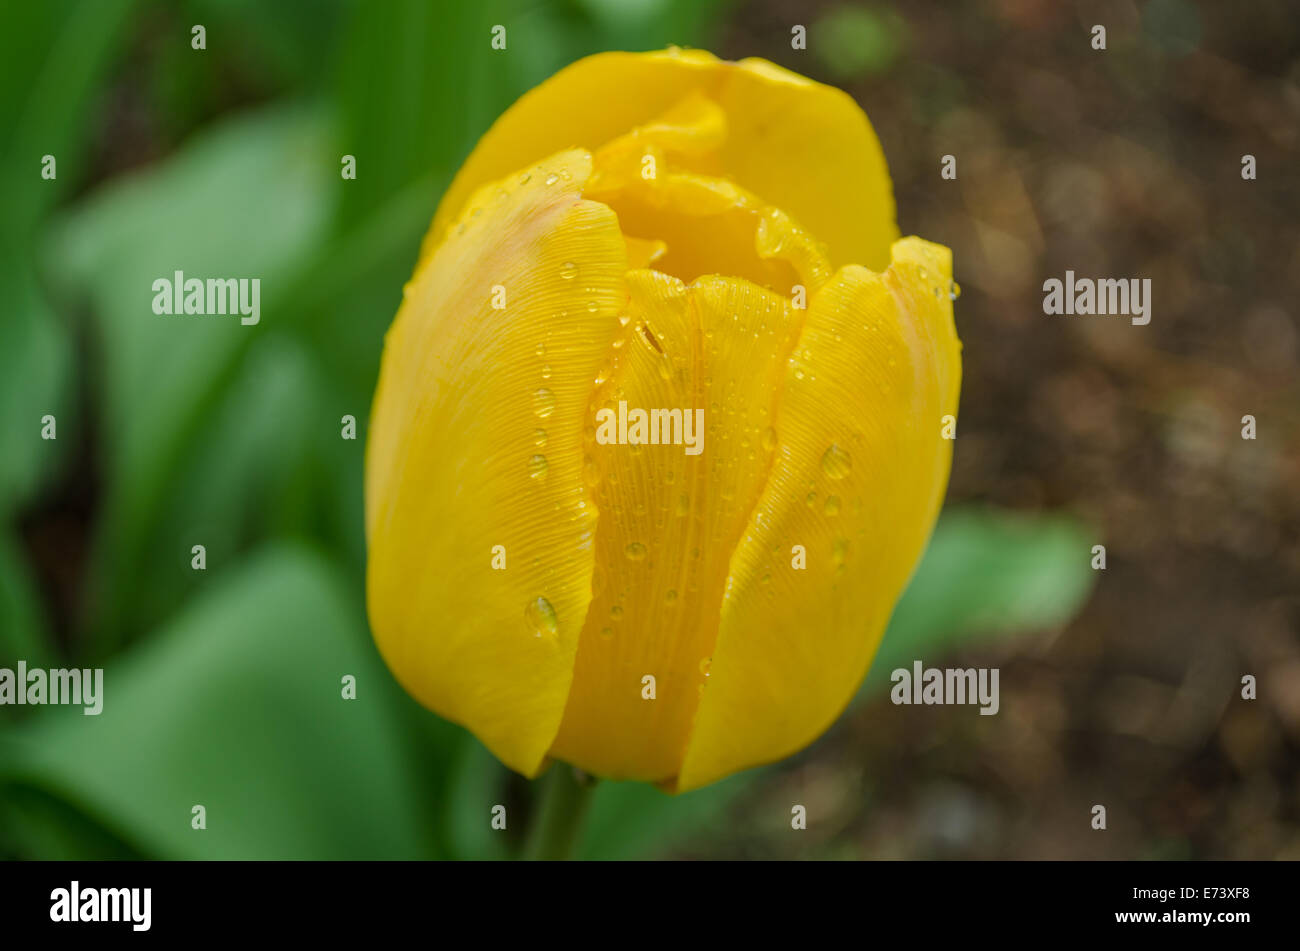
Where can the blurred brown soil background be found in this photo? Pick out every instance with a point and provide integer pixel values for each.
(1122, 163)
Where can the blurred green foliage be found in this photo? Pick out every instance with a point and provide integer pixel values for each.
(224, 685)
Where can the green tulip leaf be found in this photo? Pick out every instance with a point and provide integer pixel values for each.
(237, 706)
(248, 200)
(986, 574)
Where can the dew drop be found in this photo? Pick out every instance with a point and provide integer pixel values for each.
(544, 403)
(537, 467)
(541, 349)
(592, 307)
(840, 551)
(607, 632)
(568, 271)
(683, 504)
(954, 290)
(832, 506)
(836, 462)
(546, 371)
(525, 178)
(769, 439)
(671, 596)
(705, 664)
(541, 618)
(635, 551)
(552, 179)
(616, 612)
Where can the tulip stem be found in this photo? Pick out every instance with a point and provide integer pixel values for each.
(566, 794)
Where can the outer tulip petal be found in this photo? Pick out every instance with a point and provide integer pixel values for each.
(476, 440)
(804, 147)
(668, 520)
(858, 480)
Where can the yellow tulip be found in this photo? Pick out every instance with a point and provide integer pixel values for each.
(662, 230)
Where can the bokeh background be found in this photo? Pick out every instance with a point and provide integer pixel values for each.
(1119, 687)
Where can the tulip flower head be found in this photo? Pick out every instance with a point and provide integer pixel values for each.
(651, 254)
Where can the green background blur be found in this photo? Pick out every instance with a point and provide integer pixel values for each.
(222, 687)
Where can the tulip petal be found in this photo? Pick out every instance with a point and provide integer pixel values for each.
(708, 225)
(669, 520)
(804, 147)
(858, 478)
(476, 441)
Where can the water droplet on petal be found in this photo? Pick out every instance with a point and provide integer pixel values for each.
(552, 179)
(537, 467)
(836, 462)
(543, 403)
(635, 551)
(705, 664)
(568, 271)
(832, 506)
(769, 439)
(541, 618)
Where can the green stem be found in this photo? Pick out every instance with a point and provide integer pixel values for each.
(564, 801)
